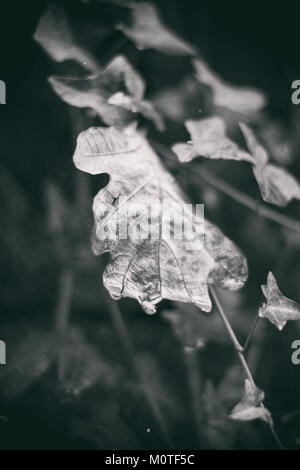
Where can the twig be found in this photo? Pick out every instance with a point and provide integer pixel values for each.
(251, 332)
(234, 340)
(247, 201)
(240, 354)
(229, 190)
(123, 334)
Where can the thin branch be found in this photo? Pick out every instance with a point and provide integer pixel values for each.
(250, 334)
(229, 190)
(240, 354)
(234, 340)
(247, 201)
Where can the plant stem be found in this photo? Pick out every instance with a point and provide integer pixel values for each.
(234, 340)
(247, 201)
(123, 334)
(226, 188)
(250, 334)
(240, 354)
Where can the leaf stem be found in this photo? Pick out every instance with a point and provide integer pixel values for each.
(234, 340)
(240, 354)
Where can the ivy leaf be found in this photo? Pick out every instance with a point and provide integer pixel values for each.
(237, 98)
(147, 31)
(251, 407)
(150, 268)
(277, 185)
(278, 309)
(54, 34)
(208, 139)
(101, 93)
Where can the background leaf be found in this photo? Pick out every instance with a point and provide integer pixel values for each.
(208, 139)
(276, 184)
(148, 32)
(238, 99)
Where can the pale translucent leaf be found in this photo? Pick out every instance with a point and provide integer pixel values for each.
(208, 139)
(278, 309)
(240, 99)
(147, 31)
(277, 185)
(251, 407)
(151, 268)
(97, 91)
(55, 35)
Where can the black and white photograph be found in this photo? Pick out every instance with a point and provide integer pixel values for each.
(150, 228)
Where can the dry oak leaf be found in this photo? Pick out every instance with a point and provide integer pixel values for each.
(278, 309)
(102, 93)
(150, 268)
(251, 406)
(277, 185)
(147, 31)
(55, 36)
(239, 99)
(208, 139)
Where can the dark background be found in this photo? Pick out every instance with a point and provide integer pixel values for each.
(250, 43)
